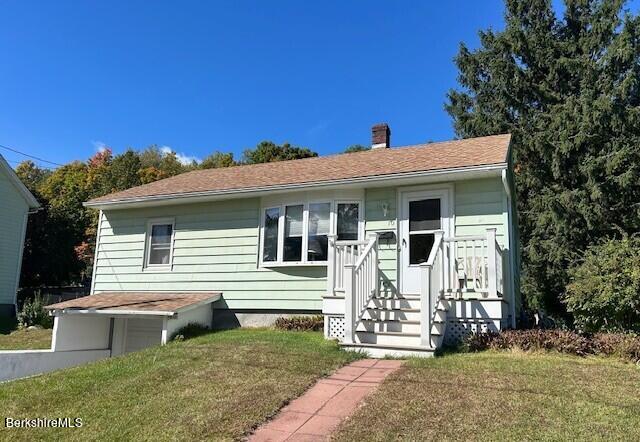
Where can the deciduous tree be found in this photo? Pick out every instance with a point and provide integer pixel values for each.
(268, 152)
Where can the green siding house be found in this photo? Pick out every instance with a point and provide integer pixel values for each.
(15, 202)
(400, 248)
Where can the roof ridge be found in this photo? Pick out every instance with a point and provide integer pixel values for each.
(457, 153)
(334, 155)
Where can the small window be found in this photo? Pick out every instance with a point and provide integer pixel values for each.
(159, 244)
(271, 227)
(319, 227)
(348, 217)
(293, 232)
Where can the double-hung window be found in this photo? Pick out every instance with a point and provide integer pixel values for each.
(159, 244)
(298, 233)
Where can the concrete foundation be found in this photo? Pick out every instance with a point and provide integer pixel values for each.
(226, 318)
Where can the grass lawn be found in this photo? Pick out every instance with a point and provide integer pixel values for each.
(503, 396)
(26, 339)
(217, 386)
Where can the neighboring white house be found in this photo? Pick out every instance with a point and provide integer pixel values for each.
(15, 204)
(400, 248)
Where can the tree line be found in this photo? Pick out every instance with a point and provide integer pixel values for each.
(60, 238)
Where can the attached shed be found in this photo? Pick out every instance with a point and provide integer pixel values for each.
(16, 202)
(123, 322)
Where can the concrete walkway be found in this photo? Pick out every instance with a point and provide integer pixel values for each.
(315, 414)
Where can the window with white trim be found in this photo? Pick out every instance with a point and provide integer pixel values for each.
(159, 244)
(298, 233)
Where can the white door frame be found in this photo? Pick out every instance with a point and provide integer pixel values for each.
(444, 191)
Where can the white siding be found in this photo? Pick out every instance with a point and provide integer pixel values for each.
(13, 211)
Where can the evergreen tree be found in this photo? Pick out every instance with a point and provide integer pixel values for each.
(568, 89)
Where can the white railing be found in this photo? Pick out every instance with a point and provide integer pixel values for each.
(495, 265)
(470, 263)
(361, 282)
(341, 253)
(432, 286)
(473, 264)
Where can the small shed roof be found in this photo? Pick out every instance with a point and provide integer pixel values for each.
(135, 303)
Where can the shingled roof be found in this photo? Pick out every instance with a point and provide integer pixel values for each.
(375, 163)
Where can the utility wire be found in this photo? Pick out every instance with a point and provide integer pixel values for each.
(41, 166)
(30, 156)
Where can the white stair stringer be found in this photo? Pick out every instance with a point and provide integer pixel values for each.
(439, 322)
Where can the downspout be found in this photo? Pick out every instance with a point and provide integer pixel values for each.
(111, 327)
(512, 245)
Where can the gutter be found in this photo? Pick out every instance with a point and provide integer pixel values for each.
(255, 191)
(73, 311)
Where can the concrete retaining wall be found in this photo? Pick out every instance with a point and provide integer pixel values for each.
(16, 364)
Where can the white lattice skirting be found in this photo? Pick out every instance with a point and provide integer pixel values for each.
(336, 327)
(458, 330)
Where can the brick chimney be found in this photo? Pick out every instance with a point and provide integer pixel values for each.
(380, 136)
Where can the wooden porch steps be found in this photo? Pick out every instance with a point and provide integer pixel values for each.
(392, 326)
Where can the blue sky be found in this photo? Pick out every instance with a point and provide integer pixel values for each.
(204, 76)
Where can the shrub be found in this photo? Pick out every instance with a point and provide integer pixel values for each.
(191, 330)
(536, 339)
(33, 313)
(300, 323)
(621, 345)
(604, 292)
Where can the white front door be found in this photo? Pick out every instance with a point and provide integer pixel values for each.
(422, 213)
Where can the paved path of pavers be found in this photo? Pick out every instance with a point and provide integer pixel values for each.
(315, 414)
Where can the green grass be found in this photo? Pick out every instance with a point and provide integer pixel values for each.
(217, 386)
(503, 396)
(26, 339)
